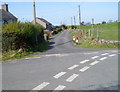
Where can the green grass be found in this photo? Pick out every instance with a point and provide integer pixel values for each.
(93, 44)
(107, 31)
(38, 49)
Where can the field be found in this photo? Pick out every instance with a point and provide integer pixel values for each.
(107, 31)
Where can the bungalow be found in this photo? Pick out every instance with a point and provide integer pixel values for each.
(5, 15)
(47, 25)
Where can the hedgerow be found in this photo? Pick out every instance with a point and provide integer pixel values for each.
(19, 35)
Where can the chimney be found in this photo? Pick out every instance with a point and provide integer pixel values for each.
(5, 7)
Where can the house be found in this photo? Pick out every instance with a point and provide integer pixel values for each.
(44, 23)
(5, 15)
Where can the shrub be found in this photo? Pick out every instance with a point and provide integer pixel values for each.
(18, 35)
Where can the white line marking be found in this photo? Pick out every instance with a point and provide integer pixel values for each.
(26, 58)
(59, 75)
(112, 55)
(114, 51)
(103, 58)
(82, 62)
(41, 86)
(93, 63)
(104, 54)
(36, 57)
(60, 87)
(94, 57)
(71, 78)
(72, 67)
(84, 68)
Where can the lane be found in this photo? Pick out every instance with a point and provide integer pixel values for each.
(62, 67)
(62, 43)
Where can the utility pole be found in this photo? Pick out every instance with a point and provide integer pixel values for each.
(74, 21)
(79, 15)
(71, 21)
(92, 28)
(34, 14)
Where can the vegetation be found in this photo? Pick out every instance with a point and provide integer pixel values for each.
(19, 39)
(59, 29)
(95, 44)
(107, 31)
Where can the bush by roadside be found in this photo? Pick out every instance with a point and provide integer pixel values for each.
(20, 38)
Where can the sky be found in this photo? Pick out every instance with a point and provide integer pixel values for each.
(61, 12)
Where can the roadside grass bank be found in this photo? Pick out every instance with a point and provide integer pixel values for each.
(21, 39)
(15, 54)
(95, 44)
(108, 31)
(103, 36)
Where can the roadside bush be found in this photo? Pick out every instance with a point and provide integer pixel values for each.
(21, 35)
(56, 31)
(73, 27)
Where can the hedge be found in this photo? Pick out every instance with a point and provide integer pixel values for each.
(18, 35)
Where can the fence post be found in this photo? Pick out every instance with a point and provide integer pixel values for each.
(89, 33)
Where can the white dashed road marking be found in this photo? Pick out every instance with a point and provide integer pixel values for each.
(114, 51)
(41, 86)
(72, 67)
(93, 63)
(84, 68)
(104, 54)
(94, 57)
(112, 55)
(71, 78)
(59, 75)
(27, 58)
(36, 57)
(60, 87)
(82, 62)
(103, 58)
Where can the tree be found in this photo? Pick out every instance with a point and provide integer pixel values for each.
(103, 22)
(82, 23)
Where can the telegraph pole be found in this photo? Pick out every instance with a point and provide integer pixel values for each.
(74, 21)
(71, 21)
(79, 15)
(34, 14)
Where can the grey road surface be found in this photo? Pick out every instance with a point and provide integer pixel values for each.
(63, 67)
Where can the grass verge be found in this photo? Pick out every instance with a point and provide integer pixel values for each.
(38, 49)
(97, 45)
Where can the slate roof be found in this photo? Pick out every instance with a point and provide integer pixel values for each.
(45, 21)
(4, 15)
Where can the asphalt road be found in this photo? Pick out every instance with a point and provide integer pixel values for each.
(63, 67)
